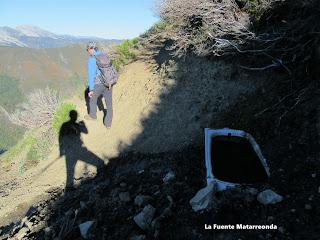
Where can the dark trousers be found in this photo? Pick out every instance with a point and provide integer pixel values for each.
(99, 90)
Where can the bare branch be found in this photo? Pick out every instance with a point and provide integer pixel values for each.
(38, 111)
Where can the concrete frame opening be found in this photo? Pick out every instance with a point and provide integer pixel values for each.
(232, 158)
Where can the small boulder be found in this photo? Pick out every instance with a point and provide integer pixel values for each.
(144, 218)
(252, 191)
(203, 199)
(83, 205)
(170, 176)
(124, 197)
(47, 231)
(85, 228)
(269, 197)
(141, 200)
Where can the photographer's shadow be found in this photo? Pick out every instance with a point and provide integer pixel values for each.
(74, 150)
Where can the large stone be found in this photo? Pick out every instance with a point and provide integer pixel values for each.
(203, 199)
(269, 197)
(144, 218)
(85, 228)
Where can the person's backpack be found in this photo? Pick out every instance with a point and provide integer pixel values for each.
(109, 74)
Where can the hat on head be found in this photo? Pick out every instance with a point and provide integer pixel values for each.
(91, 45)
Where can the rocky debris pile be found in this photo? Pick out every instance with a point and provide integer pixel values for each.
(35, 221)
(134, 202)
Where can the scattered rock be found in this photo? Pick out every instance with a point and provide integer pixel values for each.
(170, 176)
(156, 223)
(157, 193)
(203, 199)
(141, 200)
(22, 233)
(293, 210)
(40, 226)
(47, 231)
(138, 237)
(124, 197)
(308, 207)
(269, 197)
(83, 205)
(270, 219)
(252, 191)
(123, 184)
(69, 212)
(85, 228)
(144, 218)
(28, 224)
(281, 229)
(313, 175)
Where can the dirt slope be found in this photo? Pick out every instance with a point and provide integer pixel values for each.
(154, 112)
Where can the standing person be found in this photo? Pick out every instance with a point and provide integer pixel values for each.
(96, 88)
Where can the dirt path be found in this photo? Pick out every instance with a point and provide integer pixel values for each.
(132, 103)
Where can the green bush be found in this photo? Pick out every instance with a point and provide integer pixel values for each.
(125, 53)
(62, 115)
(32, 154)
(125, 49)
(156, 28)
(40, 148)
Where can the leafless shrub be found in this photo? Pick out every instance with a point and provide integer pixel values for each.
(37, 111)
(285, 36)
(206, 26)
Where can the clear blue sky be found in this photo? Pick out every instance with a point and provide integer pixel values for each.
(102, 18)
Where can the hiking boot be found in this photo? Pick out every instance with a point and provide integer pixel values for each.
(88, 117)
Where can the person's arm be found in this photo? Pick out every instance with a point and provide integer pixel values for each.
(83, 128)
(92, 72)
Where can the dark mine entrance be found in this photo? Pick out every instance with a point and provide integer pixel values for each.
(234, 160)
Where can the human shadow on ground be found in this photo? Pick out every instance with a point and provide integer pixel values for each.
(72, 147)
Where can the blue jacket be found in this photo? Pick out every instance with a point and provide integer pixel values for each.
(93, 71)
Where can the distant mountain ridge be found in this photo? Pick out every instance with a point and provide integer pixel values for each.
(35, 37)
